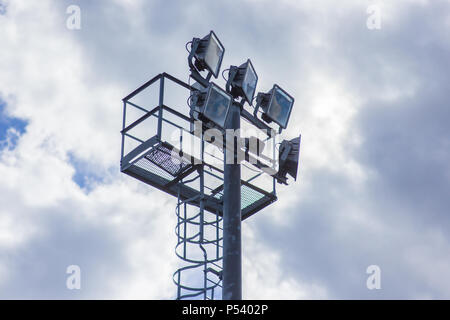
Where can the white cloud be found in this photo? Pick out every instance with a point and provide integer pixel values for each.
(45, 80)
(56, 79)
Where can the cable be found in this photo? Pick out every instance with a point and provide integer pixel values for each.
(186, 46)
(223, 75)
(188, 100)
(253, 100)
(278, 149)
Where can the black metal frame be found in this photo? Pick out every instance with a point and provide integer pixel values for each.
(175, 186)
(236, 79)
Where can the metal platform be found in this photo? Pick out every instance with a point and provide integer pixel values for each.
(154, 160)
(168, 178)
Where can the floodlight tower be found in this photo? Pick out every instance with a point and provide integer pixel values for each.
(208, 55)
(168, 167)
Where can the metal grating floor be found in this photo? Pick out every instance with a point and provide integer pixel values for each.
(149, 166)
(249, 196)
(159, 169)
(161, 155)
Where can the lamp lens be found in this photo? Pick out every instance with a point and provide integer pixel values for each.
(280, 107)
(217, 105)
(249, 83)
(213, 55)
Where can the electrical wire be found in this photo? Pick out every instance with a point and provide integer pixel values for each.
(278, 149)
(188, 100)
(223, 73)
(253, 100)
(186, 46)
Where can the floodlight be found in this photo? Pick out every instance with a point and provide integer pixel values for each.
(208, 53)
(276, 105)
(212, 104)
(288, 159)
(243, 80)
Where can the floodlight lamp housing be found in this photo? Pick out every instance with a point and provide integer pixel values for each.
(288, 159)
(211, 105)
(262, 101)
(243, 81)
(276, 106)
(208, 53)
(196, 102)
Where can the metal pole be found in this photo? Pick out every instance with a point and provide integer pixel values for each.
(232, 261)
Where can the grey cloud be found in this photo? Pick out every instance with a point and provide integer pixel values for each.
(406, 146)
(405, 139)
(37, 270)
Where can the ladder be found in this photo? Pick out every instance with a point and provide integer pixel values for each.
(200, 248)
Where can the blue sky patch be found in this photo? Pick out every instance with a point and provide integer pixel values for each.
(2, 8)
(86, 177)
(7, 123)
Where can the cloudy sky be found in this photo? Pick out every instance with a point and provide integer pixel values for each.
(372, 105)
